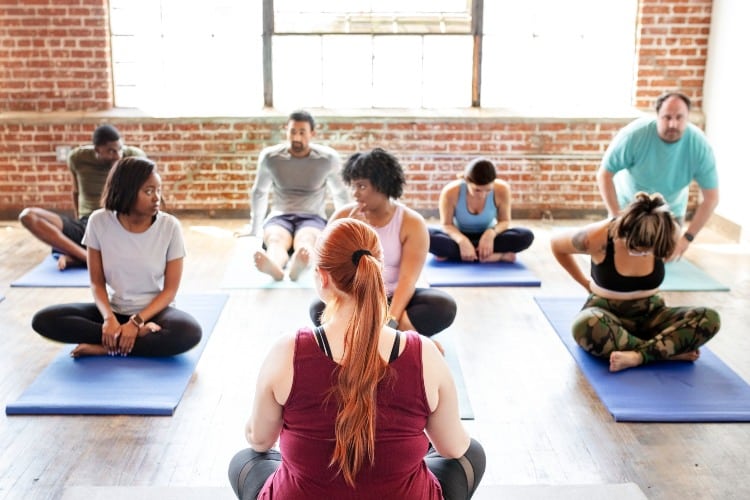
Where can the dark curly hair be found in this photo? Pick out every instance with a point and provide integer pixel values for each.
(379, 167)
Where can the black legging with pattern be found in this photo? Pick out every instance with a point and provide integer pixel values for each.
(644, 325)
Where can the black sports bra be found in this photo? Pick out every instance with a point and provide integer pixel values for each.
(606, 276)
(322, 339)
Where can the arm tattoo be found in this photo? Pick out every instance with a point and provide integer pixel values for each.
(580, 241)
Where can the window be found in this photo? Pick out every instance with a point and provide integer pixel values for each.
(176, 57)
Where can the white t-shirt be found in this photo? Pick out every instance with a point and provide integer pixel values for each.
(134, 263)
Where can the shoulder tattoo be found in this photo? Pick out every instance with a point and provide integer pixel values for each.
(580, 241)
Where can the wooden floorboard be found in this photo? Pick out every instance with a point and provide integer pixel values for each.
(536, 415)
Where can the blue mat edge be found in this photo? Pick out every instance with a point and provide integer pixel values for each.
(448, 342)
(433, 263)
(627, 415)
(72, 280)
(16, 408)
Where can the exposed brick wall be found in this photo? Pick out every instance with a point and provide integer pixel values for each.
(54, 56)
(672, 45)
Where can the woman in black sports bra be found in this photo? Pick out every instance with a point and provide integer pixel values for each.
(624, 318)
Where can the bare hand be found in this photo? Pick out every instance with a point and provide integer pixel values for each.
(486, 245)
(468, 252)
(111, 331)
(679, 249)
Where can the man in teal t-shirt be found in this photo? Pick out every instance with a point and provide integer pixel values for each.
(663, 155)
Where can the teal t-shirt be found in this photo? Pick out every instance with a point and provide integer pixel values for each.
(644, 162)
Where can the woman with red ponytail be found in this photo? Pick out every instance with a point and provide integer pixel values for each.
(360, 410)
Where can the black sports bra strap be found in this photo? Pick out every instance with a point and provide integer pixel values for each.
(396, 346)
(320, 336)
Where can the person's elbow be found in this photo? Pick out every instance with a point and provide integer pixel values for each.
(258, 443)
(454, 449)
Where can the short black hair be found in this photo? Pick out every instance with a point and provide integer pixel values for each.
(104, 134)
(379, 167)
(301, 115)
(666, 95)
(480, 171)
(124, 181)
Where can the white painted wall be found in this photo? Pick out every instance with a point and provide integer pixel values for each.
(726, 107)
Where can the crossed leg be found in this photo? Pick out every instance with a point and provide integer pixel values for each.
(48, 227)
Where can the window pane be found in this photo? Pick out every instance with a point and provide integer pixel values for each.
(397, 71)
(347, 71)
(297, 72)
(372, 16)
(447, 71)
(188, 56)
(545, 54)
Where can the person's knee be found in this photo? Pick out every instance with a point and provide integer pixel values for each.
(710, 321)
(581, 327)
(527, 238)
(41, 322)
(27, 217)
(434, 318)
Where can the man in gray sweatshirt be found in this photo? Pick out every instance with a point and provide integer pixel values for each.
(298, 173)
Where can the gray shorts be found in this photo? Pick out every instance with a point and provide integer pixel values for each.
(294, 222)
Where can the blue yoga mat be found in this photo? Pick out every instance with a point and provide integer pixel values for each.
(450, 274)
(105, 385)
(683, 276)
(669, 391)
(451, 357)
(47, 275)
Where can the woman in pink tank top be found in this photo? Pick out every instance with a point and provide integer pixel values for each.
(377, 181)
(360, 410)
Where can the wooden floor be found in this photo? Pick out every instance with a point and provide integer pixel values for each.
(537, 417)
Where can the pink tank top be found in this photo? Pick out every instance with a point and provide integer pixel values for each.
(390, 238)
(307, 435)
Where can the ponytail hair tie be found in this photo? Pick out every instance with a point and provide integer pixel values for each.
(358, 255)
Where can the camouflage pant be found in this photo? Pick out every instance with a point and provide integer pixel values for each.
(645, 325)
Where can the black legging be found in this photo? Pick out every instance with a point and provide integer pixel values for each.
(514, 240)
(430, 311)
(459, 477)
(81, 323)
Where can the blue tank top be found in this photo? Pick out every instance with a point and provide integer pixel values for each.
(606, 276)
(465, 221)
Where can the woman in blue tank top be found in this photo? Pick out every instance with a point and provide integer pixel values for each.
(624, 319)
(475, 219)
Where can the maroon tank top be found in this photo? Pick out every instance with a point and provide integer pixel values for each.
(307, 435)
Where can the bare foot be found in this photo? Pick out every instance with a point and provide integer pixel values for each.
(149, 327)
(501, 257)
(66, 261)
(298, 263)
(686, 356)
(82, 350)
(621, 360)
(508, 257)
(267, 266)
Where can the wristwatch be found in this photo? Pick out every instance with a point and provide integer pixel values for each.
(688, 236)
(137, 320)
(392, 322)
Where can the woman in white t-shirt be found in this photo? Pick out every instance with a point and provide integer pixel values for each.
(135, 258)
